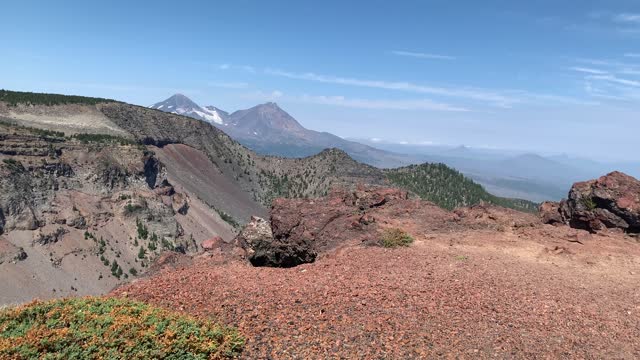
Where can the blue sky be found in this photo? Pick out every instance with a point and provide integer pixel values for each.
(547, 76)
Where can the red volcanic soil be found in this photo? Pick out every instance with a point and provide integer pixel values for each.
(509, 290)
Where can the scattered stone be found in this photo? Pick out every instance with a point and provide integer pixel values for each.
(550, 213)
(21, 255)
(212, 244)
(181, 204)
(78, 221)
(50, 238)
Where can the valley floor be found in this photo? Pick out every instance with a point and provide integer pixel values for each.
(531, 292)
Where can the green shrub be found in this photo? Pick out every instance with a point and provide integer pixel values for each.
(393, 238)
(167, 245)
(589, 203)
(110, 328)
(228, 218)
(143, 231)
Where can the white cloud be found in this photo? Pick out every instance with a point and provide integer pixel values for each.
(417, 104)
(632, 55)
(504, 100)
(246, 68)
(423, 55)
(617, 80)
(611, 66)
(468, 93)
(627, 18)
(589, 70)
(379, 104)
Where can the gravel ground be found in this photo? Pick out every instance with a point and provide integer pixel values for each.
(459, 295)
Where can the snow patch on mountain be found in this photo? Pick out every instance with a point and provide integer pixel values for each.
(182, 105)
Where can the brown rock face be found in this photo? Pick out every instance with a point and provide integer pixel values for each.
(612, 201)
(300, 229)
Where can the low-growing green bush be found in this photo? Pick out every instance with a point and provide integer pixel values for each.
(110, 328)
(393, 238)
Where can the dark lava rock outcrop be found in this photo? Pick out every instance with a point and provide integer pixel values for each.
(301, 229)
(612, 201)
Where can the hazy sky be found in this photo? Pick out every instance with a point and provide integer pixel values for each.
(543, 75)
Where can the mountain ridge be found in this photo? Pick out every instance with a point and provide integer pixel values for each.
(268, 129)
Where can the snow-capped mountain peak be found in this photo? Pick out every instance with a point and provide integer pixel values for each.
(182, 105)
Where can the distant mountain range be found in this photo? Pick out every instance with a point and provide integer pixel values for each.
(512, 173)
(269, 130)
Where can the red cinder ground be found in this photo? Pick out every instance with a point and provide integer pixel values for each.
(507, 291)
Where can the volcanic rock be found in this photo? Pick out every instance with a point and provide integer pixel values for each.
(551, 214)
(211, 244)
(44, 238)
(612, 201)
(257, 229)
(301, 229)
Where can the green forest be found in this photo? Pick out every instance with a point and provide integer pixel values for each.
(448, 188)
(13, 98)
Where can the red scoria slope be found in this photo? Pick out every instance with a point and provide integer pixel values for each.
(482, 282)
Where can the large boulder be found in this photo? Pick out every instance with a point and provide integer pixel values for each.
(612, 201)
(555, 213)
(301, 229)
(263, 249)
(256, 231)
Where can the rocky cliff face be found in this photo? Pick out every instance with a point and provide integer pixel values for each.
(80, 214)
(612, 201)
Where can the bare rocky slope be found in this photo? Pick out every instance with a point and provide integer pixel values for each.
(80, 214)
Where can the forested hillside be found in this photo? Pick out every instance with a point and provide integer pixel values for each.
(13, 98)
(448, 188)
